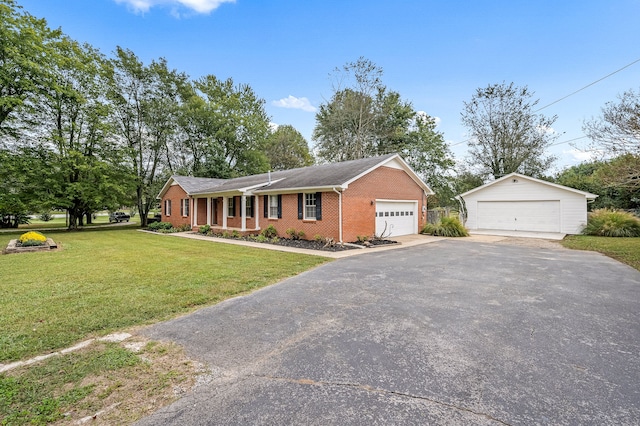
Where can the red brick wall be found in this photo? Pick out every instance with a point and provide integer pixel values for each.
(175, 193)
(358, 213)
(326, 227)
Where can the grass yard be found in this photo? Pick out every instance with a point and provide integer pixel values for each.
(626, 250)
(107, 280)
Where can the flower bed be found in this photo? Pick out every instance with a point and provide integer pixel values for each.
(29, 242)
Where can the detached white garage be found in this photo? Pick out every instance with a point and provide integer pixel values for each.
(517, 202)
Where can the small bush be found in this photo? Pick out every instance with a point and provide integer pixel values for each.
(612, 223)
(295, 235)
(447, 227)
(157, 226)
(270, 232)
(45, 216)
(362, 238)
(318, 238)
(183, 228)
(204, 229)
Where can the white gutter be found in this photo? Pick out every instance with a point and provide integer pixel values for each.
(339, 213)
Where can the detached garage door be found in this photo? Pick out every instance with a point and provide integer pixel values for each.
(536, 216)
(395, 218)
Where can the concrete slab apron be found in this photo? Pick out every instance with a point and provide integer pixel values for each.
(452, 332)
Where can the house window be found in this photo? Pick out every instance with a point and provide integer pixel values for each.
(167, 207)
(310, 206)
(184, 207)
(231, 207)
(273, 206)
(248, 210)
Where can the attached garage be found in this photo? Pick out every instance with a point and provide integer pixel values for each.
(395, 218)
(521, 203)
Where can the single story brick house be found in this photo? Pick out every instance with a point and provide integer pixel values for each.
(379, 196)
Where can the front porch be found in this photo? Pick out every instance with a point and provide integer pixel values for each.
(227, 214)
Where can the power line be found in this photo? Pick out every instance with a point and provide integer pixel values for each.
(588, 85)
(570, 140)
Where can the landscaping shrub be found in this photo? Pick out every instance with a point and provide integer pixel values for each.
(612, 223)
(270, 231)
(32, 238)
(157, 226)
(447, 227)
(45, 216)
(204, 229)
(295, 235)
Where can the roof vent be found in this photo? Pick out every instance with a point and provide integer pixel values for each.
(514, 180)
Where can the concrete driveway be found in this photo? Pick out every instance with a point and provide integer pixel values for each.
(452, 332)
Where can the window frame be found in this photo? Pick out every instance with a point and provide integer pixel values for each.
(231, 208)
(274, 207)
(310, 202)
(167, 207)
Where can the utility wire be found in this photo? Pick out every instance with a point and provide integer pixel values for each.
(588, 85)
(565, 97)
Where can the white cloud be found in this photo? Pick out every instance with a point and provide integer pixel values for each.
(273, 126)
(423, 115)
(198, 6)
(295, 103)
(580, 156)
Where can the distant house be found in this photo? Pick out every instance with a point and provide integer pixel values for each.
(517, 202)
(379, 196)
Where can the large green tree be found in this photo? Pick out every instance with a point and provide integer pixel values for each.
(287, 149)
(145, 101)
(364, 119)
(75, 127)
(25, 54)
(506, 134)
(225, 127)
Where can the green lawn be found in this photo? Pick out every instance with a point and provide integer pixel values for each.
(626, 250)
(106, 280)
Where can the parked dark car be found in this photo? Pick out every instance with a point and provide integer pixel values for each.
(155, 218)
(119, 217)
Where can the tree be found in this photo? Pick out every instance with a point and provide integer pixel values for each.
(602, 177)
(287, 149)
(74, 127)
(25, 51)
(617, 131)
(224, 127)
(506, 134)
(26, 186)
(366, 120)
(145, 100)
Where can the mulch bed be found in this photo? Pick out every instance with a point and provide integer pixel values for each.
(318, 245)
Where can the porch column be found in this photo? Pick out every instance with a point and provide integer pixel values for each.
(225, 207)
(208, 211)
(194, 216)
(256, 209)
(243, 212)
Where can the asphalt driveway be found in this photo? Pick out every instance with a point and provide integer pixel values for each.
(452, 332)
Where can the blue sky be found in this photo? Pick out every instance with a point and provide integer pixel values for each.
(434, 53)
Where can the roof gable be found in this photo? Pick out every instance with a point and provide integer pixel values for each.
(587, 195)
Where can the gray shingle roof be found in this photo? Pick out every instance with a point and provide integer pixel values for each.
(196, 184)
(320, 176)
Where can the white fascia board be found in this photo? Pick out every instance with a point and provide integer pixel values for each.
(309, 189)
(587, 195)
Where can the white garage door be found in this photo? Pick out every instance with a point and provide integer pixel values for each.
(394, 218)
(537, 216)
